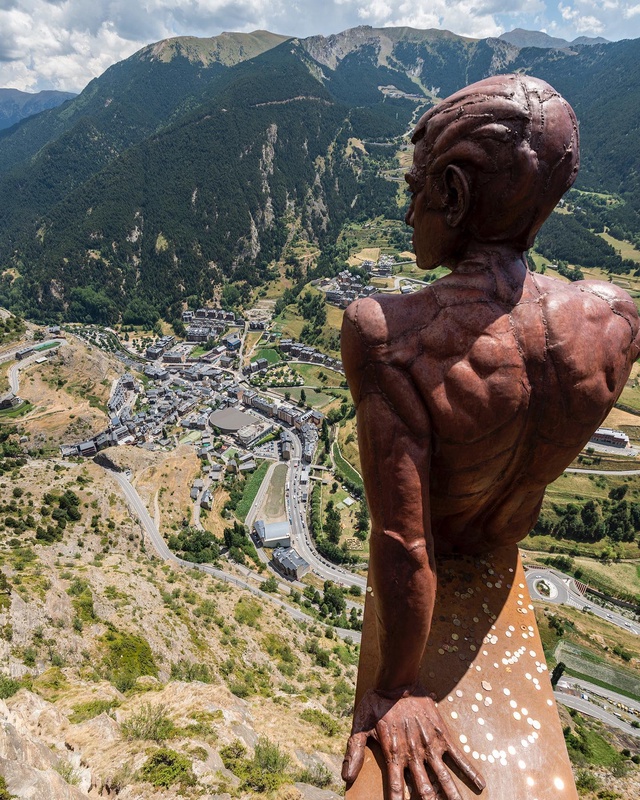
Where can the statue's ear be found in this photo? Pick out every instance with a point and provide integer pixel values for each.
(458, 195)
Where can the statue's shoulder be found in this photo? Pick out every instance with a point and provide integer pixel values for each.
(592, 309)
(581, 291)
(365, 322)
(597, 301)
(386, 318)
(616, 298)
(384, 326)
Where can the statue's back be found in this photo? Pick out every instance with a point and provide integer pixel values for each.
(513, 371)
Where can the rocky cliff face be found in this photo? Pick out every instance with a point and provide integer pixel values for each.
(44, 756)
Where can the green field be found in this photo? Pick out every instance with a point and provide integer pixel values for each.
(46, 346)
(251, 340)
(345, 468)
(588, 664)
(15, 413)
(625, 249)
(315, 398)
(289, 322)
(251, 487)
(272, 356)
(572, 487)
(191, 437)
(318, 376)
(200, 350)
(616, 579)
(630, 397)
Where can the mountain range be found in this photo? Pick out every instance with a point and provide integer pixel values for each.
(16, 105)
(193, 162)
(523, 38)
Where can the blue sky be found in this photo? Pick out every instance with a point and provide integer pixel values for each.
(63, 44)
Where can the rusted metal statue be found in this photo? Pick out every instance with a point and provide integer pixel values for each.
(472, 395)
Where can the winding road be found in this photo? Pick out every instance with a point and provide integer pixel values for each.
(140, 512)
(300, 538)
(14, 369)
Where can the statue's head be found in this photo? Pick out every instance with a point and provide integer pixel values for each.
(494, 158)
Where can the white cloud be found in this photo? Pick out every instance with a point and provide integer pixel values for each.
(583, 22)
(465, 17)
(64, 43)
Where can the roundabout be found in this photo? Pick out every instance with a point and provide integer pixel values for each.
(550, 588)
(544, 588)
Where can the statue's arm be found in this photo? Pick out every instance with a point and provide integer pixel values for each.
(394, 435)
(394, 438)
(395, 469)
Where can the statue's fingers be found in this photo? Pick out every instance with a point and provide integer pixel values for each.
(395, 769)
(395, 776)
(465, 766)
(421, 781)
(414, 738)
(443, 776)
(354, 757)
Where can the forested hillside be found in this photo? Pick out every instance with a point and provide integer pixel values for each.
(185, 167)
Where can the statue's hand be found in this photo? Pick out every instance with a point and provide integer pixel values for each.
(413, 736)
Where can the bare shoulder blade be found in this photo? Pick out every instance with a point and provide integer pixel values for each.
(593, 340)
(620, 304)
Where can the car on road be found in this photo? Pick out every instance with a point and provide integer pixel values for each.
(609, 616)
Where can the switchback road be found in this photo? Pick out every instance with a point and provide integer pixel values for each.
(160, 546)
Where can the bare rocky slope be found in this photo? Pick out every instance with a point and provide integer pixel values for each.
(122, 676)
(119, 658)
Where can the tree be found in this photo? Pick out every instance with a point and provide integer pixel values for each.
(333, 598)
(303, 397)
(270, 585)
(324, 435)
(332, 523)
(140, 312)
(88, 305)
(557, 673)
(362, 517)
(178, 328)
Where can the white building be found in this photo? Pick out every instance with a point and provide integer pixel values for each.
(276, 534)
